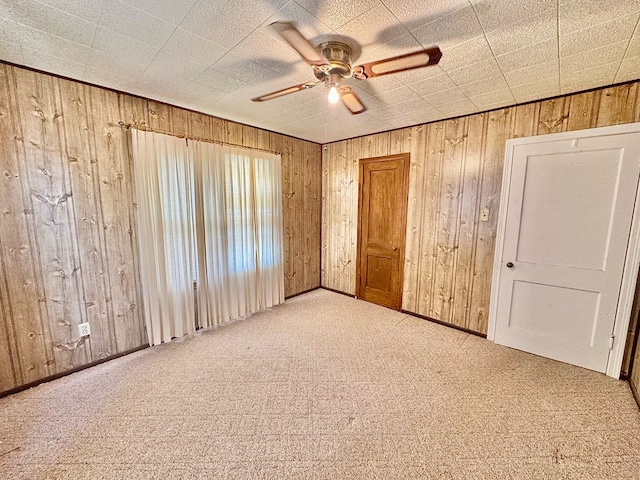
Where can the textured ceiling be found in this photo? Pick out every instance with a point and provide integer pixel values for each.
(215, 55)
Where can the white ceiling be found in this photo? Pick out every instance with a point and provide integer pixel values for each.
(213, 56)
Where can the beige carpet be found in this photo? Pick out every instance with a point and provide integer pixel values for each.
(328, 387)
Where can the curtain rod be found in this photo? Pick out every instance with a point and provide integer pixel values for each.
(129, 126)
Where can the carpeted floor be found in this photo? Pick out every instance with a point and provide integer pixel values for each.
(328, 387)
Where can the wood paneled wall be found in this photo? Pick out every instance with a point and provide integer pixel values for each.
(68, 244)
(456, 170)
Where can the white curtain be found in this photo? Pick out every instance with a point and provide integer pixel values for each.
(164, 195)
(228, 238)
(240, 216)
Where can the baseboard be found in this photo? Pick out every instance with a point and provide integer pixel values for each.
(338, 291)
(301, 293)
(634, 392)
(35, 383)
(440, 322)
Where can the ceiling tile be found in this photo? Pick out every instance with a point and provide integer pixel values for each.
(174, 69)
(494, 13)
(229, 30)
(452, 29)
(310, 27)
(397, 96)
(582, 60)
(336, 13)
(169, 10)
(107, 78)
(9, 31)
(432, 114)
(589, 77)
(416, 13)
(477, 71)
(534, 73)
(11, 52)
(121, 46)
(86, 9)
(6, 10)
(498, 98)
(123, 65)
(523, 33)
(533, 55)
(446, 96)
(53, 21)
(633, 49)
(372, 30)
(549, 87)
(467, 53)
(629, 69)
(132, 22)
(484, 86)
(194, 48)
(458, 108)
(50, 45)
(597, 36)
(219, 80)
(251, 11)
(245, 70)
(579, 14)
(265, 50)
(433, 84)
(38, 59)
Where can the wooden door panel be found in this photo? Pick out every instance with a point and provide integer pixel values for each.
(381, 232)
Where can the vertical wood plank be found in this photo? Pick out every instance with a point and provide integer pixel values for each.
(583, 110)
(617, 105)
(53, 206)
(116, 196)
(249, 137)
(448, 222)
(234, 133)
(23, 350)
(468, 219)
(415, 209)
(498, 131)
(553, 116)
(84, 184)
(431, 192)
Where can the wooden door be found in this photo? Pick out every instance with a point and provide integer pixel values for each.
(569, 209)
(381, 229)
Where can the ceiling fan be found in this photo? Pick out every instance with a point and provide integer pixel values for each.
(331, 62)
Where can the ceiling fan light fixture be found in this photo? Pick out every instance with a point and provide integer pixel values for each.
(334, 96)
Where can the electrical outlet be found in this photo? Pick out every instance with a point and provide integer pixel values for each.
(484, 214)
(84, 329)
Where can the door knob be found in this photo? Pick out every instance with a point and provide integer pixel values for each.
(394, 248)
(509, 265)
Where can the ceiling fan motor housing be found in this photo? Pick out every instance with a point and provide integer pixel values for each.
(339, 56)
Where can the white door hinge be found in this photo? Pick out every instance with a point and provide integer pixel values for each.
(611, 342)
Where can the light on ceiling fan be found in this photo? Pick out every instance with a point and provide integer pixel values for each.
(333, 95)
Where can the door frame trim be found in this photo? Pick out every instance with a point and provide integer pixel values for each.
(405, 202)
(632, 256)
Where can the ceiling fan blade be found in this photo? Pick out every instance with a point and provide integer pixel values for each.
(423, 58)
(351, 100)
(305, 49)
(286, 91)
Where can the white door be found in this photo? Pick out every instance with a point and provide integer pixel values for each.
(565, 234)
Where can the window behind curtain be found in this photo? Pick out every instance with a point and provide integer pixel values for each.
(214, 218)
